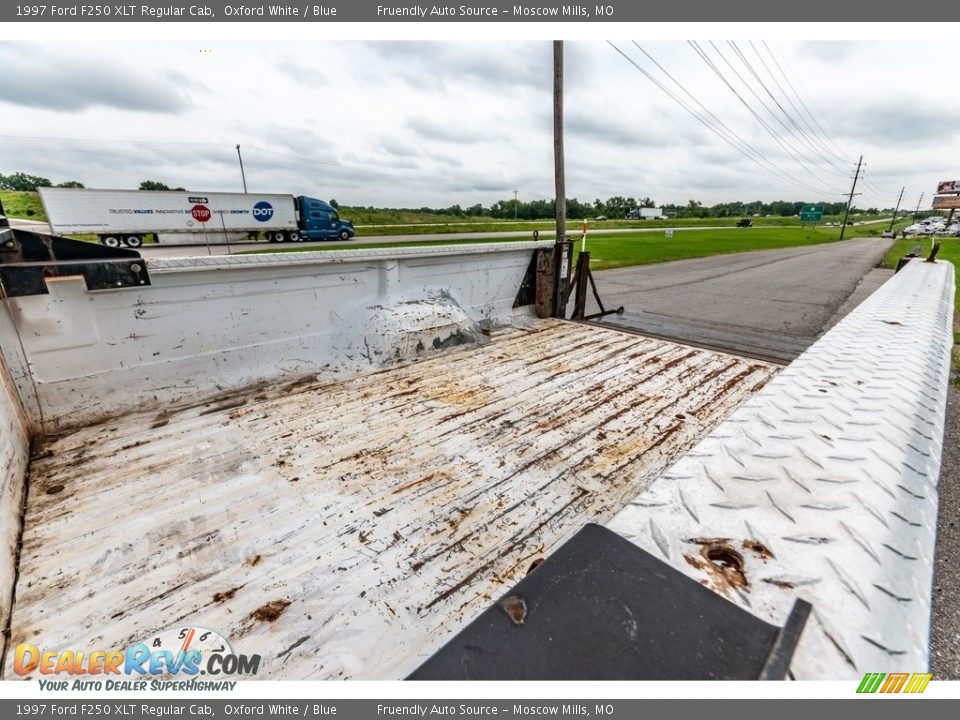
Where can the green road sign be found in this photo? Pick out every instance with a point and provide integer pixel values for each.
(811, 213)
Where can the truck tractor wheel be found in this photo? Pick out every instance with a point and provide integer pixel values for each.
(134, 240)
(110, 241)
(295, 236)
(344, 235)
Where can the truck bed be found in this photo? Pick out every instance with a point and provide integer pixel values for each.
(343, 529)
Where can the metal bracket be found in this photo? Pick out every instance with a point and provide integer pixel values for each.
(27, 259)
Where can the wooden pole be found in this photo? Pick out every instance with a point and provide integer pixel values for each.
(560, 193)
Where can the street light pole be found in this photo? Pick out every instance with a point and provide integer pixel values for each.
(242, 174)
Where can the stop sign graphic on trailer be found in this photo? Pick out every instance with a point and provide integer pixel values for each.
(201, 213)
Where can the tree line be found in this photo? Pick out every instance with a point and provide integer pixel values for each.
(614, 208)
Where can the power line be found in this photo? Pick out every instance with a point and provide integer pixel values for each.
(813, 117)
(773, 133)
(813, 142)
(764, 105)
(759, 157)
(711, 128)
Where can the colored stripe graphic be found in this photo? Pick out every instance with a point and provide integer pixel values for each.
(870, 682)
(894, 683)
(918, 682)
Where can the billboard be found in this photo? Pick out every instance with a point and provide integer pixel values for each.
(946, 203)
(948, 186)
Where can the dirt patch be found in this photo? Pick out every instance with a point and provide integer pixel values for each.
(270, 612)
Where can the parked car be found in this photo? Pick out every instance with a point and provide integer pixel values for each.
(600, 217)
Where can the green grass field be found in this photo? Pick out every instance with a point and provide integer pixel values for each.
(24, 205)
(613, 251)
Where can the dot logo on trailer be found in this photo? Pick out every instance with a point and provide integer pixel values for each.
(201, 213)
(262, 211)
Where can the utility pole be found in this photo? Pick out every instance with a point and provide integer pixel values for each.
(894, 219)
(560, 192)
(917, 211)
(515, 205)
(242, 174)
(856, 176)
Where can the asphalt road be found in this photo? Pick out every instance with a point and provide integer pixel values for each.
(770, 304)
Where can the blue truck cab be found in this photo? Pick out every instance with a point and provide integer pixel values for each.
(319, 220)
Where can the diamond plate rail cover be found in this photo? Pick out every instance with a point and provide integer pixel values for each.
(823, 486)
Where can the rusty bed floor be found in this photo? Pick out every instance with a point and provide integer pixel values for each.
(345, 529)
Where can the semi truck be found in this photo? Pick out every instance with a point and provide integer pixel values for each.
(129, 217)
(646, 214)
(337, 462)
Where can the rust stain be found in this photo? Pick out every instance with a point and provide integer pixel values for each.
(757, 547)
(439, 464)
(222, 597)
(270, 612)
(515, 608)
(722, 563)
(784, 584)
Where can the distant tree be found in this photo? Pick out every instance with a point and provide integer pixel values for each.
(153, 185)
(22, 181)
(647, 203)
(71, 184)
(335, 204)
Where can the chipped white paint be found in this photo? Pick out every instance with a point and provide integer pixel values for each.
(380, 514)
(831, 468)
(207, 325)
(14, 454)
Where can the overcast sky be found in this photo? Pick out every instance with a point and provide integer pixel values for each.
(412, 123)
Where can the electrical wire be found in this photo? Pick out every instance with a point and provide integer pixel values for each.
(756, 157)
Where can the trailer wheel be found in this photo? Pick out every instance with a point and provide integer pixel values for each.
(110, 241)
(134, 241)
(275, 237)
(344, 235)
(295, 236)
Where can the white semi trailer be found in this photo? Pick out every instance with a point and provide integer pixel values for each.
(127, 217)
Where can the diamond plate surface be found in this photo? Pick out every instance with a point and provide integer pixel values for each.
(823, 486)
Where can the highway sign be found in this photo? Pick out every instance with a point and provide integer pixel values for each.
(811, 213)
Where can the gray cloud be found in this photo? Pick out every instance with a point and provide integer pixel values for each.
(829, 51)
(436, 130)
(35, 78)
(443, 65)
(310, 77)
(906, 122)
